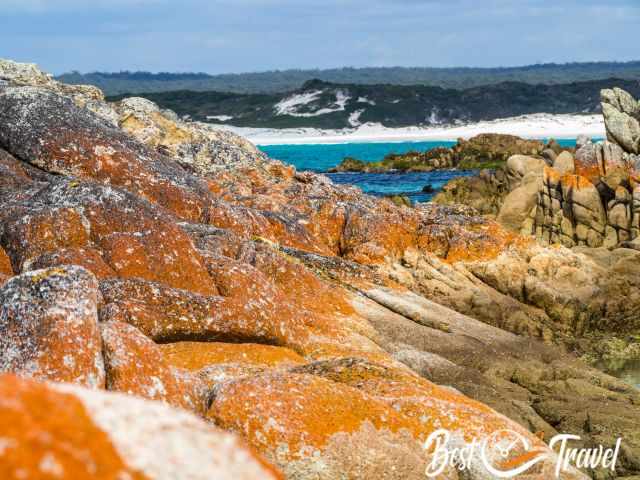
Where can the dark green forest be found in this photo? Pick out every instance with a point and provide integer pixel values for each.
(287, 80)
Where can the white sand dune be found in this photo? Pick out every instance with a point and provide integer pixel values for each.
(540, 125)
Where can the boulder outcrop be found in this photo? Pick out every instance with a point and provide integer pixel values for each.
(583, 198)
(332, 330)
(487, 150)
(135, 365)
(622, 118)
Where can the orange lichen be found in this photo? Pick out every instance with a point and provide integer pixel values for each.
(576, 182)
(135, 365)
(37, 232)
(298, 411)
(49, 435)
(111, 161)
(5, 264)
(481, 242)
(52, 336)
(551, 175)
(88, 258)
(197, 355)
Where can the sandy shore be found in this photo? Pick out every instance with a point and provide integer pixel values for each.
(540, 125)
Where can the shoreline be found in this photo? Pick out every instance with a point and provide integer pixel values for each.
(535, 126)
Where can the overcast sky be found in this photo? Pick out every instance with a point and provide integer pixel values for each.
(220, 36)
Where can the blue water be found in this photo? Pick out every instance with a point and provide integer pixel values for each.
(321, 157)
(409, 184)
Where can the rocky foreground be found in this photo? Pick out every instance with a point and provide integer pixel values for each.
(292, 328)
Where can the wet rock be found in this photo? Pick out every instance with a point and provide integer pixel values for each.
(136, 365)
(65, 432)
(48, 325)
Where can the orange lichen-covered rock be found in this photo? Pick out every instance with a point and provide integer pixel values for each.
(135, 365)
(6, 271)
(88, 258)
(390, 229)
(135, 238)
(168, 315)
(197, 355)
(13, 175)
(358, 419)
(53, 133)
(48, 326)
(49, 434)
(56, 431)
(313, 428)
(291, 276)
(30, 233)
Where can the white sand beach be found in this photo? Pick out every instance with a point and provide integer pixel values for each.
(541, 125)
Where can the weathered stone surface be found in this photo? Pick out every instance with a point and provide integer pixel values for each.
(370, 418)
(518, 204)
(313, 295)
(486, 371)
(587, 163)
(6, 270)
(51, 132)
(195, 356)
(564, 163)
(28, 74)
(136, 365)
(135, 238)
(485, 192)
(582, 140)
(622, 119)
(89, 258)
(64, 432)
(200, 147)
(48, 326)
(520, 165)
(585, 201)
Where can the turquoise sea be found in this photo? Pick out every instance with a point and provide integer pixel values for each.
(322, 157)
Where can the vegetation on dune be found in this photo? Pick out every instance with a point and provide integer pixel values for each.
(325, 105)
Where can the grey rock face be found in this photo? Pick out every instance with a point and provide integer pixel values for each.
(582, 140)
(622, 119)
